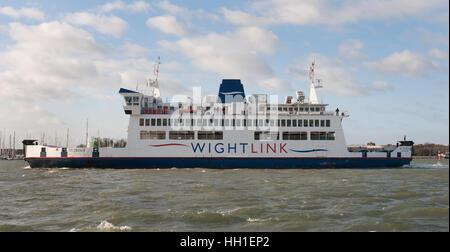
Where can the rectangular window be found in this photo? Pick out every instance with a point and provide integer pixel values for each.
(323, 135)
(181, 135)
(315, 135)
(164, 122)
(267, 135)
(311, 123)
(141, 122)
(147, 122)
(328, 123)
(300, 123)
(288, 123)
(316, 123)
(154, 135)
(153, 122)
(330, 136)
(295, 135)
(305, 123)
(136, 101)
(322, 123)
(294, 123)
(210, 135)
(283, 123)
(158, 122)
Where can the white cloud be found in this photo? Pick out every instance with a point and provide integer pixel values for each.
(136, 6)
(30, 13)
(235, 54)
(313, 12)
(167, 25)
(335, 75)
(438, 54)
(351, 49)
(57, 60)
(405, 63)
(110, 25)
(134, 50)
(381, 86)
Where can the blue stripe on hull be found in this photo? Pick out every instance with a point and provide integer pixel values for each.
(218, 163)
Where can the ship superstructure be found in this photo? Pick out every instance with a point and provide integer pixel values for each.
(230, 130)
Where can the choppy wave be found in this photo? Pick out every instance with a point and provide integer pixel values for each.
(96, 200)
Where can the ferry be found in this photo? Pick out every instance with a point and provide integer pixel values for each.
(225, 131)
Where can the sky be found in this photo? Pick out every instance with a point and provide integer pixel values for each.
(385, 62)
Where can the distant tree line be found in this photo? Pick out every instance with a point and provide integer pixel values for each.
(429, 149)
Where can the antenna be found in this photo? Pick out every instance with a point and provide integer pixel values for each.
(87, 131)
(156, 69)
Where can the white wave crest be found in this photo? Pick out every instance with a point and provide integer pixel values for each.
(107, 226)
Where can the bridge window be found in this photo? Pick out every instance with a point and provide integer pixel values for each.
(135, 101)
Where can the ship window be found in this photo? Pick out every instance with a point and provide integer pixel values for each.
(330, 136)
(294, 123)
(153, 122)
(244, 122)
(280, 109)
(295, 135)
(155, 135)
(141, 122)
(290, 109)
(317, 109)
(266, 135)
(328, 123)
(301, 109)
(136, 101)
(288, 123)
(128, 100)
(299, 123)
(311, 123)
(315, 135)
(260, 123)
(272, 123)
(147, 122)
(158, 122)
(164, 122)
(210, 135)
(306, 109)
(284, 109)
(322, 123)
(316, 123)
(283, 123)
(181, 135)
(305, 123)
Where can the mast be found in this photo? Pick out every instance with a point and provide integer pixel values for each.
(314, 83)
(87, 131)
(154, 83)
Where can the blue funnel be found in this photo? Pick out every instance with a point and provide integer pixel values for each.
(231, 91)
